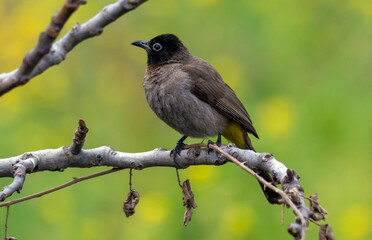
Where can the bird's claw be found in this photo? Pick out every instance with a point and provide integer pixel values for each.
(210, 143)
(218, 143)
(177, 150)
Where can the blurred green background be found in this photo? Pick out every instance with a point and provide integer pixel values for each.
(302, 69)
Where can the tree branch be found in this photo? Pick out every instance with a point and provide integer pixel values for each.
(45, 55)
(73, 156)
(62, 158)
(46, 38)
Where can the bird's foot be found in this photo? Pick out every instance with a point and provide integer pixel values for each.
(177, 150)
(208, 148)
(218, 143)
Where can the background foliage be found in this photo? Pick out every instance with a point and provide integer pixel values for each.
(302, 69)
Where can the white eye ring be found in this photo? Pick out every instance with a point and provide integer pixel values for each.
(157, 47)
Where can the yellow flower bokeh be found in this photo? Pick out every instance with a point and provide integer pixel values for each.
(238, 220)
(230, 69)
(202, 174)
(364, 6)
(276, 116)
(152, 209)
(355, 221)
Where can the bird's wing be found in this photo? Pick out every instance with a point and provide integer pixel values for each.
(209, 87)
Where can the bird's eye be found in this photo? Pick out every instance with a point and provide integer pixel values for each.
(157, 47)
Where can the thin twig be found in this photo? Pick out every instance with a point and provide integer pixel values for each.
(195, 145)
(6, 222)
(287, 200)
(74, 181)
(313, 221)
(283, 214)
(130, 179)
(79, 137)
(178, 178)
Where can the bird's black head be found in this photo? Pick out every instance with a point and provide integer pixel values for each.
(164, 48)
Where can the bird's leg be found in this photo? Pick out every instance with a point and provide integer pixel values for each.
(219, 140)
(177, 149)
(218, 143)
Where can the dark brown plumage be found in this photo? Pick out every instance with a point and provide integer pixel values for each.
(210, 88)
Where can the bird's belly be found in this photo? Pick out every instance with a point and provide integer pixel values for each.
(185, 113)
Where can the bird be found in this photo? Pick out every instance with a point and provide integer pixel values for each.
(189, 95)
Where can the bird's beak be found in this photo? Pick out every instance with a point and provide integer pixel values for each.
(142, 44)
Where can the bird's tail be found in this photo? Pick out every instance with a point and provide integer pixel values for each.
(270, 195)
(238, 135)
(247, 141)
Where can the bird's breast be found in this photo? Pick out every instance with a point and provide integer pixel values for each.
(168, 92)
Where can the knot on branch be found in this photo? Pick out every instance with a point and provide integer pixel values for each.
(193, 153)
(291, 181)
(131, 4)
(266, 157)
(295, 230)
(294, 195)
(76, 27)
